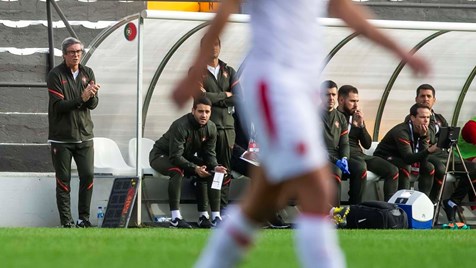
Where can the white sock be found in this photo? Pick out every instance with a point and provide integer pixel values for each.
(203, 213)
(216, 214)
(176, 214)
(231, 239)
(317, 244)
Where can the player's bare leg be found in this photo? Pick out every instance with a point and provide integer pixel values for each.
(317, 244)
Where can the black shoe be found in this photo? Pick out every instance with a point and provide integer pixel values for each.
(449, 210)
(204, 222)
(216, 222)
(180, 223)
(277, 222)
(83, 224)
(68, 225)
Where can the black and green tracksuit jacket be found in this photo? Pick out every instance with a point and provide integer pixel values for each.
(336, 135)
(68, 116)
(215, 90)
(186, 143)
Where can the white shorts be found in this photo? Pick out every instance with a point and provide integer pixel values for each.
(285, 112)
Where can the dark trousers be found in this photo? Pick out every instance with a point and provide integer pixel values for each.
(204, 194)
(425, 176)
(385, 170)
(357, 180)
(224, 150)
(83, 155)
(208, 196)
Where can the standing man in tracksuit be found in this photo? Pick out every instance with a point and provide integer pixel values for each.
(348, 97)
(336, 137)
(219, 85)
(72, 91)
(407, 146)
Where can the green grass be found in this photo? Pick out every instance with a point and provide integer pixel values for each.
(161, 247)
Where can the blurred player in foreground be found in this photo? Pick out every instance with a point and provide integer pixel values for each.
(281, 86)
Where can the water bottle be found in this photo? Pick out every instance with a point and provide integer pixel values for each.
(100, 216)
(252, 145)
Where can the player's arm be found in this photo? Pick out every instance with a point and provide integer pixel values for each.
(356, 17)
(190, 85)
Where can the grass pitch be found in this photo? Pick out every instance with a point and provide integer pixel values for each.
(162, 247)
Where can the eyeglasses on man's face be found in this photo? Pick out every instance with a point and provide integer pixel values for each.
(74, 52)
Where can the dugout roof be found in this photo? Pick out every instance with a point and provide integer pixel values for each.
(150, 63)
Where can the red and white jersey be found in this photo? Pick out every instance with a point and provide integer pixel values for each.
(287, 31)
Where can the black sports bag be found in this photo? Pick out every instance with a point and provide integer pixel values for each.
(376, 215)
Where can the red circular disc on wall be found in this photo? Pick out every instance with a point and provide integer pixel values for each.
(130, 31)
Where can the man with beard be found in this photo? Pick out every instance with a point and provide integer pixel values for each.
(348, 97)
(337, 142)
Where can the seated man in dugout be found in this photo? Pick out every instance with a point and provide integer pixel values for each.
(348, 97)
(426, 94)
(188, 149)
(407, 146)
(337, 143)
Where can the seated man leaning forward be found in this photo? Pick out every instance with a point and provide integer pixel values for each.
(188, 148)
(406, 146)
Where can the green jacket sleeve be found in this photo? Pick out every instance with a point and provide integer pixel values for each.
(403, 142)
(364, 138)
(344, 147)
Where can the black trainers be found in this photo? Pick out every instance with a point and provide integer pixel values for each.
(277, 222)
(449, 210)
(68, 225)
(83, 224)
(217, 221)
(179, 223)
(204, 222)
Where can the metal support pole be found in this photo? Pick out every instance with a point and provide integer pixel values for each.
(51, 48)
(65, 21)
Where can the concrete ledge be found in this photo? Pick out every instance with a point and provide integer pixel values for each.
(29, 199)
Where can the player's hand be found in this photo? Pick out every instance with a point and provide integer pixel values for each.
(202, 171)
(433, 148)
(250, 156)
(185, 90)
(90, 91)
(343, 165)
(418, 64)
(189, 87)
(220, 169)
(421, 129)
(358, 118)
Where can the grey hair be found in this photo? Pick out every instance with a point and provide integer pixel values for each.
(68, 42)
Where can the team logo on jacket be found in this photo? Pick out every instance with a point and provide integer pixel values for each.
(336, 123)
(204, 138)
(84, 80)
(225, 74)
(64, 81)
